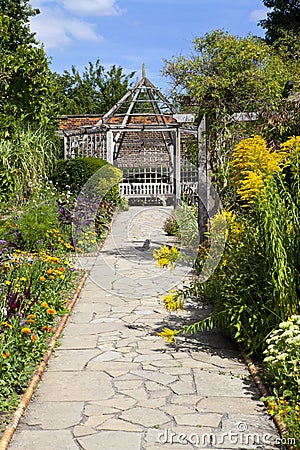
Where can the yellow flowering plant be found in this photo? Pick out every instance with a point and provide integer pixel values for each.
(252, 166)
(166, 256)
(173, 301)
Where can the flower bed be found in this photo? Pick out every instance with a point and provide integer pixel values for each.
(34, 291)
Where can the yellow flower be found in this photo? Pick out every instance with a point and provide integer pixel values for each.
(168, 334)
(6, 324)
(8, 282)
(166, 256)
(45, 305)
(173, 302)
(42, 278)
(26, 330)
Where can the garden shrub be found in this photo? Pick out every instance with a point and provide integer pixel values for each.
(282, 359)
(282, 371)
(171, 226)
(73, 173)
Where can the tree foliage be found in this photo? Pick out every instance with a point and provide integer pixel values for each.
(283, 18)
(94, 91)
(26, 82)
(226, 75)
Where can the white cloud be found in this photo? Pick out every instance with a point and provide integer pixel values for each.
(88, 8)
(84, 7)
(55, 29)
(258, 14)
(93, 7)
(61, 22)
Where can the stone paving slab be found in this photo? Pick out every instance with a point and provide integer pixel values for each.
(113, 384)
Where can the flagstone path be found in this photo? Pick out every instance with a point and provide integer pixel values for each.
(113, 384)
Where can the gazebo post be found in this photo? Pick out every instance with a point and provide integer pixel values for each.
(202, 180)
(177, 168)
(109, 147)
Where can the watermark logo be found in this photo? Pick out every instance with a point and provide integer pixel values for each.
(241, 436)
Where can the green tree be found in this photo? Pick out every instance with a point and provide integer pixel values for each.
(16, 14)
(284, 17)
(227, 75)
(26, 82)
(94, 91)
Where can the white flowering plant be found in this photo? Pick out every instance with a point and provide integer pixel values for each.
(282, 359)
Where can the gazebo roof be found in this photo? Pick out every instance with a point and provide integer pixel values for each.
(142, 104)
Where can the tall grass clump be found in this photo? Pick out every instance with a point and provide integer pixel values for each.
(24, 161)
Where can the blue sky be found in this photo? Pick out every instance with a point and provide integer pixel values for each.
(128, 33)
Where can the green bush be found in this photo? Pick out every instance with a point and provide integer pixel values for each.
(282, 358)
(74, 173)
(171, 226)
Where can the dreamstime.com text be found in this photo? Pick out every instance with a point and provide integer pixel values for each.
(239, 437)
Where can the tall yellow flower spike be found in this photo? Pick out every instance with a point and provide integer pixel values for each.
(253, 165)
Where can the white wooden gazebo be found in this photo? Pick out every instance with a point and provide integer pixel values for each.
(145, 136)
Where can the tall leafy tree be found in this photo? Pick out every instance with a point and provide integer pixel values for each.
(26, 82)
(283, 18)
(94, 91)
(227, 75)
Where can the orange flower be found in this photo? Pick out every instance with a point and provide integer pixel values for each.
(42, 278)
(30, 321)
(62, 269)
(51, 311)
(49, 271)
(31, 316)
(45, 305)
(26, 330)
(5, 355)
(46, 328)
(33, 338)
